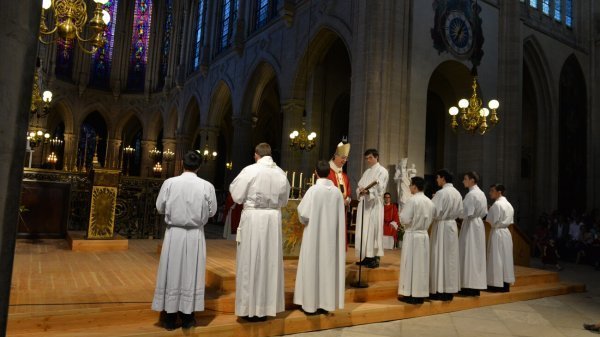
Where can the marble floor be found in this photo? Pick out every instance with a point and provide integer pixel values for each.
(560, 316)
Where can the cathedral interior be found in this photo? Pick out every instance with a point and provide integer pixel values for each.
(504, 88)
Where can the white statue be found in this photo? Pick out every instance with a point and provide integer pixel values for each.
(402, 181)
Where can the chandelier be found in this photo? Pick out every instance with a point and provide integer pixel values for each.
(302, 140)
(473, 115)
(155, 154)
(69, 17)
(35, 138)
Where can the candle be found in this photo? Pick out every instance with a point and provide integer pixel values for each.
(293, 178)
(301, 181)
(313, 179)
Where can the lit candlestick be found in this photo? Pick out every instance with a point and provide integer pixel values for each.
(301, 182)
(312, 179)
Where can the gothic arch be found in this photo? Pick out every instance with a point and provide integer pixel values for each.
(170, 130)
(220, 101)
(62, 111)
(191, 117)
(255, 85)
(313, 54)
(154, 127)
(99, 108)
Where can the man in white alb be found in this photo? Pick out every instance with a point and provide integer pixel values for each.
(263, 188)
(500, 265)
(321, 274)
(444, 274)
(471, 239)
(372, 199)
(416, 216)
(187, 202)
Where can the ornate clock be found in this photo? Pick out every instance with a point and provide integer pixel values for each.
(457, 29)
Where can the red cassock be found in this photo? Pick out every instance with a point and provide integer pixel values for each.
(236, 213)
(390, 213)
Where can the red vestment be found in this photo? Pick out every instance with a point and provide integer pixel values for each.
(390, 213)
(236, 213)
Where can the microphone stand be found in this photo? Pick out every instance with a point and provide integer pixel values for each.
(359, 284)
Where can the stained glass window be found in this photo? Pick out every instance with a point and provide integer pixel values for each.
(199, 31)
(142, 16)
(167, 39)
(546, 7)
(265, 11)
(569, 13)
(228, 17)
(557, 10)
(533, 3)
(64, 60)
(101, 60)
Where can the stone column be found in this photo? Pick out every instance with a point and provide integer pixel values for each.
(594, 112)
(70, 151)
(169, 166)
(147, 162)
(113, 157)
(510, 62)
(242, 149)
(19, 22)
(182, 146)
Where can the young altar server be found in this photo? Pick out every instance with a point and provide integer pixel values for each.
(187, 202)
(500, 267)
(321, 274)
(471, 240)
(444, 274)
(263, 188)
(416, 216)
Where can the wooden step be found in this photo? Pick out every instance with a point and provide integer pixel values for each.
(143, 322)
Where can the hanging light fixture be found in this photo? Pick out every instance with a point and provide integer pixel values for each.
(302, 140)
(473, 115)
(70, 17)
(207, 154)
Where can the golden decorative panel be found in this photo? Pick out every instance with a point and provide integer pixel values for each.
(292, 229)
(102, 212)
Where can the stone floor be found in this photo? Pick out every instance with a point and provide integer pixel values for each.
(560, 316)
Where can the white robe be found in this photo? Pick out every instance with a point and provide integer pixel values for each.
(416, 216)
(187, 202)
(372, 243)
(321, 274)
(471, 240)
(227, 228)
(444, 274)
(263, 189)
(500, 265)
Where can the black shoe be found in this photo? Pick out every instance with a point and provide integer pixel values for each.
(170, 321)
(188, 321)
(323, 312)
(447, 297)
(363, 262)
(591, 327)
(255, 318)
(373, 263)
(435, 297)
(506, 287)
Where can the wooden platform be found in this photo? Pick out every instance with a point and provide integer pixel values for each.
(58, 292)
(78, 242)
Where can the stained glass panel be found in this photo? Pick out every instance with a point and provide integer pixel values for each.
(569, 13)
(557, 10)
(101, 60)
(64, 60)
(142, 17)
(546, 6)
(199, 31)
(166, 47)
(533, 3)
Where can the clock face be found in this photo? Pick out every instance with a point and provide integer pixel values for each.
(458, 33)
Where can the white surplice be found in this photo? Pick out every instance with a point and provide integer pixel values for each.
(321, 274)
(416, 216)
(372, 243)
(263, 188)
(500, 264)
(187, 202)
(471, 240)
(444, 274)
(227, 228)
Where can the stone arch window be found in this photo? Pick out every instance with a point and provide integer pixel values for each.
(569, 13)
(228, 16)
(557, 10)
(142, 22)
(102, 59)
(264, 12)
(199, 32)
(546, 7)
(533, 3)
(166, 43)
